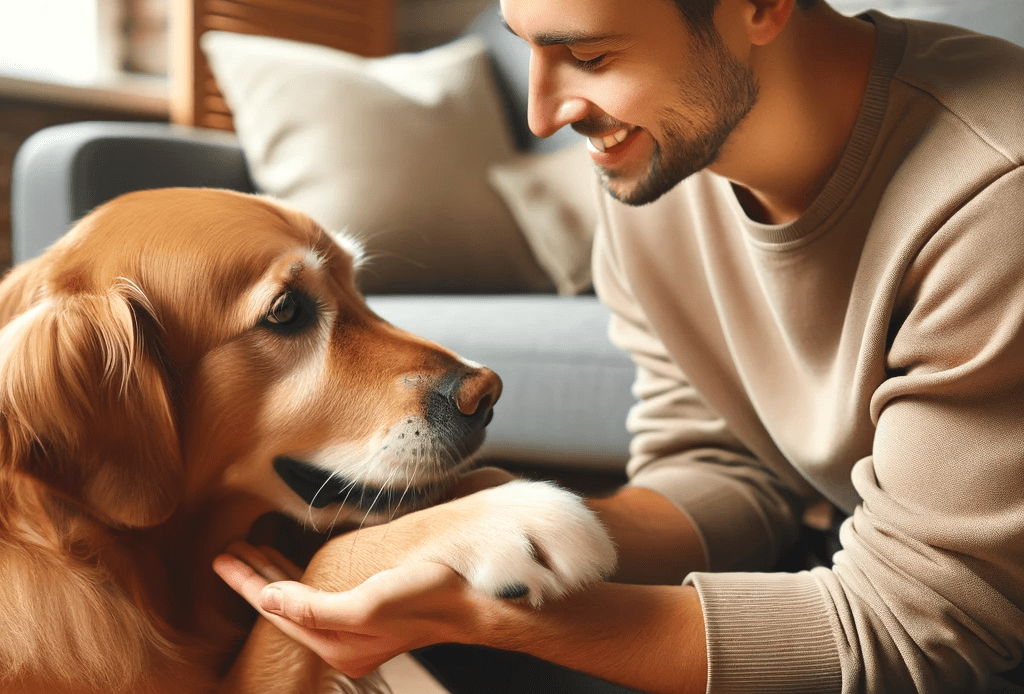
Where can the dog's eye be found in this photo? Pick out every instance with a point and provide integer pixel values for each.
(291, 312)
(284, 311)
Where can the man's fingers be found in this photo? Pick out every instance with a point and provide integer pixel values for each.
(356, 611)
(267, 564)
(249, 570)
(291, 571)
(347, 611)
(356, 630)
(240, 576)
(299, 603)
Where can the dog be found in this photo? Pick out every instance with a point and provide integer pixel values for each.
(185, 361)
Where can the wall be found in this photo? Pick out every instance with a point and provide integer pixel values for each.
(424, 23)
(1002, 18)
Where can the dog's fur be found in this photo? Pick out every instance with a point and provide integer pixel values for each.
(179, 364)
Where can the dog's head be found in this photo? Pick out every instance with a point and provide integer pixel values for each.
(184, 345)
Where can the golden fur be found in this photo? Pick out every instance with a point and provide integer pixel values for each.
(142, 401)
(181, 363)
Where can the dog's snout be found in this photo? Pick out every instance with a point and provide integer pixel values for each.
(471, 391)
(480, 390)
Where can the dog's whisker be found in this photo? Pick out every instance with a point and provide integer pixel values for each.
(309, 511)
(408, 486)
(309, 508)
(352, 486)
(334, 521)
(398, 504)
(322, 486)
(343, 505)
(348, 491)
(369, 509)
(309, 519)
(344, 502)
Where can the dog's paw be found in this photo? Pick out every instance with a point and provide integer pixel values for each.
(526, 540)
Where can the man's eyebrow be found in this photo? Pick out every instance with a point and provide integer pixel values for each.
(567, 38)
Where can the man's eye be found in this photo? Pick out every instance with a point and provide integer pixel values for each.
(590, 64)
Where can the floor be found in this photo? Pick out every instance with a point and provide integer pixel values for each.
(405, 676)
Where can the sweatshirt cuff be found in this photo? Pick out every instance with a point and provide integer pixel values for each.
(768, 633)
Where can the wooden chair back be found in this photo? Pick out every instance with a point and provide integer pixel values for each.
(365, 27)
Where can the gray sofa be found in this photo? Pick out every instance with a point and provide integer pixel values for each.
(567, 389)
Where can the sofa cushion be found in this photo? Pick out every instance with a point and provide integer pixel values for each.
(567, 389)
(553, 197)
(394, 150)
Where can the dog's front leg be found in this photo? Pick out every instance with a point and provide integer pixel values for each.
(272, 662)
(526, 541)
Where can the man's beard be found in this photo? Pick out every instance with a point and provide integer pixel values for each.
(714, 97)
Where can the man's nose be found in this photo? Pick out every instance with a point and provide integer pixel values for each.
(552, 102)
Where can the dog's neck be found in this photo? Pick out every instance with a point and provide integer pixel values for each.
(166, 570)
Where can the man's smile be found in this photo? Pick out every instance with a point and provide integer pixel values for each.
(617, 154)
(603, 144)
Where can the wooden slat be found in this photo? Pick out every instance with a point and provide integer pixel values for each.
(212, 103)
(326, 12)
(365, 27)
(351, 38)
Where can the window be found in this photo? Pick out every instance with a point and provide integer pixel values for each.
(82, 41)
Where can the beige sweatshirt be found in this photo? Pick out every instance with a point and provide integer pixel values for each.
(871, 352)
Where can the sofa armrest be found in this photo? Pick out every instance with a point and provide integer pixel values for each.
(64, 171)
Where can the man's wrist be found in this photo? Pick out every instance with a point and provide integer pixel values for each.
(658, 544)
(645, 637)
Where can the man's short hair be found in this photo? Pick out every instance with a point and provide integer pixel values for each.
(699, 14)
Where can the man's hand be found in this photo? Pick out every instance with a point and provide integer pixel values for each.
(380, 596)
(354, 631)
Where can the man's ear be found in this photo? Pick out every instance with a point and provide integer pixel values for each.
(768, 19)
(761, 20)
(85, 406)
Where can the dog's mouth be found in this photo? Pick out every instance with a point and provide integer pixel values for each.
(320, 488)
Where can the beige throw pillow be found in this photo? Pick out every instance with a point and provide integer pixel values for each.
(553, 198)
(394, 150)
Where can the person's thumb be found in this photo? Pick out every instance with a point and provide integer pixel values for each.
(292, 600)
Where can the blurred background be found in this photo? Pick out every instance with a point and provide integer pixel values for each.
(69, 60)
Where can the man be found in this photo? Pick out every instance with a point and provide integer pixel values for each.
(815, 257)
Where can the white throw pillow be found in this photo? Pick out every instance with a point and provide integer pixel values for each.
(393, 150)
(553, 197)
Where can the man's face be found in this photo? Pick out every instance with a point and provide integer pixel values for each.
(656, 100)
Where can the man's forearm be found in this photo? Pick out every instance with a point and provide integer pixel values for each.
(644, 637)
(647, 637)
(656, 542)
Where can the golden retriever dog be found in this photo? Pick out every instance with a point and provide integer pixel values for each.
(185, 361)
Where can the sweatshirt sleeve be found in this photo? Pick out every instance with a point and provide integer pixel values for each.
(927, 594)
(745, 514)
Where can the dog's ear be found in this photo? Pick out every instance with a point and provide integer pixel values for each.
(85, 405)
